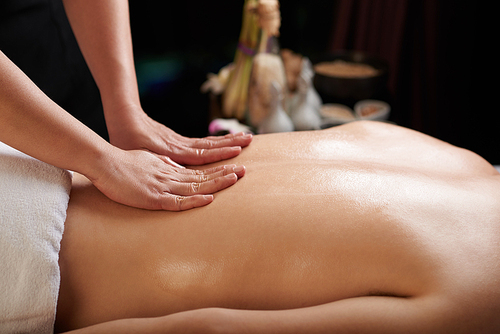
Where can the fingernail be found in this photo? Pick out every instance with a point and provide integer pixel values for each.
(238, 169)
(229, 168)
(232, 176)
(208, 197)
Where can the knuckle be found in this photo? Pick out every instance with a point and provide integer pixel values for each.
(179, 201)
(218, 182)
(206, 143)
(195, 187)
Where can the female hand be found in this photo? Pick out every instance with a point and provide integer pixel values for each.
(142, 132)
(149, 181)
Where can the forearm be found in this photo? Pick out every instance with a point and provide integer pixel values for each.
(102, 29)
(124, 326)
(190, 322)
(35, 125)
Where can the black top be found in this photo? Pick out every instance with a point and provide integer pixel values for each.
(37, 37)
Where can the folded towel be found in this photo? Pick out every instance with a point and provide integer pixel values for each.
(33, 202)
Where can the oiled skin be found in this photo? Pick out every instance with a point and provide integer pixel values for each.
(357, 210)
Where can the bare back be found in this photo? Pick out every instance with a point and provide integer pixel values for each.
(363, 209)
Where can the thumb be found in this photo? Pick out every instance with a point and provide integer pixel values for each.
(169, 161)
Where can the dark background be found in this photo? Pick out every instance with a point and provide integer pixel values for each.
(429, 45)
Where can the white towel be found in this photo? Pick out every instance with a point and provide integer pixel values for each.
(33, 202)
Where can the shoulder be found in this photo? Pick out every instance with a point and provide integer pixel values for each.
(396, 142)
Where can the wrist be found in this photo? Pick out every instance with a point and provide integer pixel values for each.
(118, 115)
(123, 123)
(95, 162)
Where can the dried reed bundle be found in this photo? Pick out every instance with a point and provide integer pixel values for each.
(234, 99)
(261, 19)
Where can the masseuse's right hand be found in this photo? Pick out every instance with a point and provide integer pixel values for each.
(149, 181)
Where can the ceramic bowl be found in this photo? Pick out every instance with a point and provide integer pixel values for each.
(338, 88)
(373, 110)
(336, 114)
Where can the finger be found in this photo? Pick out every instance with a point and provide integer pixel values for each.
(190, 175)
(197, 156)
(180, 203)
(200, 156)
(207, 171)
(173, 163)
(168, 160)
(240, 139)
(208, 187)
(227, 169)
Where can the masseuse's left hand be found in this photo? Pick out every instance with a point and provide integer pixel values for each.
(145, 133)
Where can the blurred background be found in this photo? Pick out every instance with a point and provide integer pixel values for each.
(428, 44)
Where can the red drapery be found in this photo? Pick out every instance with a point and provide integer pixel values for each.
(429, 45)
